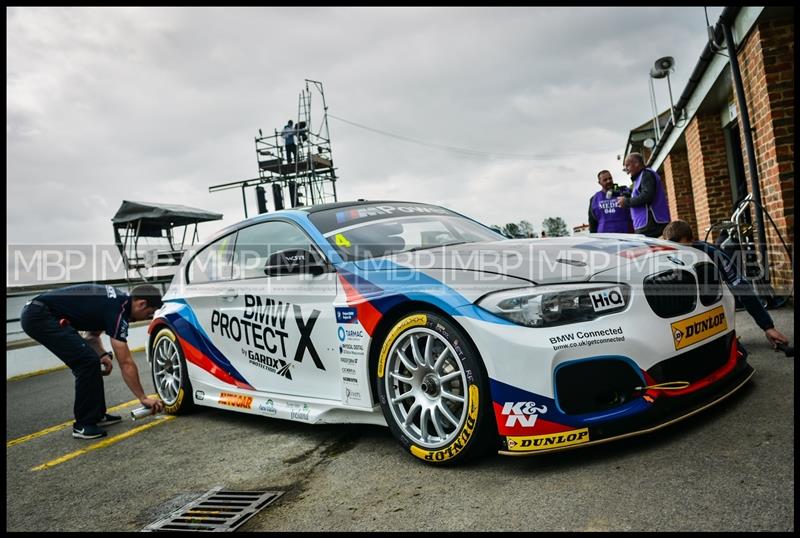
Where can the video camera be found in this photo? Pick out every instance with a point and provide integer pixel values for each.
(617, 190)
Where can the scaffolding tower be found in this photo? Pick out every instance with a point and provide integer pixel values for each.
(311, 178)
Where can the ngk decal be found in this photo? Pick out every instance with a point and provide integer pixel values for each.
(524, 413)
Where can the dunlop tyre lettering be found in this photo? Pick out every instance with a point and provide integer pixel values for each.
(181, 404)
(174, 408)
(476, 432)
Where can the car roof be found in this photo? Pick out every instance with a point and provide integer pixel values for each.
(305, 209)
(360, 202)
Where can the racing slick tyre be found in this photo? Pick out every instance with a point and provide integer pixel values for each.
(170, 377)
(433, 390)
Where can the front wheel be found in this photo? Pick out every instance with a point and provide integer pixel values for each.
(433, 390)
(170, 377)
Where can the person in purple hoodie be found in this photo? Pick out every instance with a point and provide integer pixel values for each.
(605, 213)
(648, 200)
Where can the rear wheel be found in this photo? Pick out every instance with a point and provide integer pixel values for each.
(170, 377)
(433, 390)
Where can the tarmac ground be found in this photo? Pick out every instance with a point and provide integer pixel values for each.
(729, 468)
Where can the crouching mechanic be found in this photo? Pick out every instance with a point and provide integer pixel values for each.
(54, 319)
(680, 232)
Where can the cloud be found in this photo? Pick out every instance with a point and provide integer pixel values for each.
(157, 104)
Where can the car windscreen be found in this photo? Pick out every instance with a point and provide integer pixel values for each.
(369, 232)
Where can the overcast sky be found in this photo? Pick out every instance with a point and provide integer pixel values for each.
(157, 104)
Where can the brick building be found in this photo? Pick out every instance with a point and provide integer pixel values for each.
(702, 156)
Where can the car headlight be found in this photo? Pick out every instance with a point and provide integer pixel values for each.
(547, 306)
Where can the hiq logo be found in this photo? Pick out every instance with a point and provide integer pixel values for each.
(607, 299)
(346, 315)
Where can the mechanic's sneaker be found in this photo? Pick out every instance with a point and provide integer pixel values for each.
(108, 420)
(88, 432)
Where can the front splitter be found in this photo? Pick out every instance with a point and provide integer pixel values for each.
(641, 431)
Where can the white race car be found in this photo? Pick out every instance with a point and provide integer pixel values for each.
(461, 341)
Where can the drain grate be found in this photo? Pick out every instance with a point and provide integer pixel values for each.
(217, 511)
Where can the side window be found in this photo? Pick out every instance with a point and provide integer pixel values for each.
(213, 262)
(255, 244)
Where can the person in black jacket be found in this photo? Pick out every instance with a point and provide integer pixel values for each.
(681, 232)
(647, 200)
(54, 319)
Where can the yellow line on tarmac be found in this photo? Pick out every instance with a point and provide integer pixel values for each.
(103, 444)
(37, 372)
(56, 368)
(63, 425)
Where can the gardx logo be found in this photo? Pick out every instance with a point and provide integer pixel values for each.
(697, 328)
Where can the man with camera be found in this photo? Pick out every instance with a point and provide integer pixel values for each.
(648, 200)
(605, 213)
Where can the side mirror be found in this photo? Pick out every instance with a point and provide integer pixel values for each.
(295, 262)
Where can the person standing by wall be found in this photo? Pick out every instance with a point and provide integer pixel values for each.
(648, 200)
(605, 213)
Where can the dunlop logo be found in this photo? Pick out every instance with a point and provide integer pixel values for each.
(697, 328)
(548, 441)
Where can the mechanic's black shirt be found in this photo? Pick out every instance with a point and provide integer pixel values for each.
(740, 287)
(92, 307)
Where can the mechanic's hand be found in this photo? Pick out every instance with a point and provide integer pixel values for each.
(621, 201)
(153, 403)
(106, 365)
(775, 337)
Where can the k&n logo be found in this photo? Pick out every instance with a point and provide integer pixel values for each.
(524, 413)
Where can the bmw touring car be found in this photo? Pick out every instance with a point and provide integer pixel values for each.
(458, 339)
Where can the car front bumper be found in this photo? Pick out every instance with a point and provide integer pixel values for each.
(663, 408)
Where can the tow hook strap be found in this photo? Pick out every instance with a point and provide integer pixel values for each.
(669, 385)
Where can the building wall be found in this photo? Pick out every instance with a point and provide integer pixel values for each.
(767, 63)
(708, 169)
(678, 183)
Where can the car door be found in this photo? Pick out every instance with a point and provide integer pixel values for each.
(207, 274)
(281, 329)
(208, 280)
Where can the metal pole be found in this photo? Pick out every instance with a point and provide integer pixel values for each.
(748, 143)
(654, 108)
(671, 105)
(244, 202)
